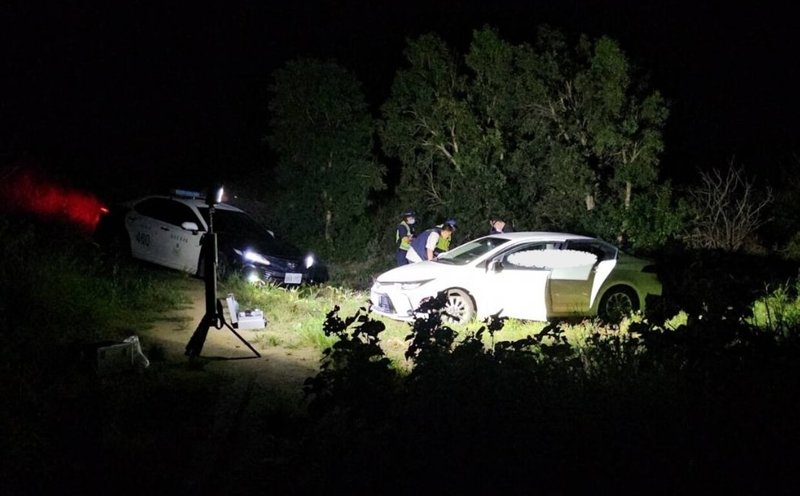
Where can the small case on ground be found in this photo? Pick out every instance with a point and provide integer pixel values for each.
(244, 319)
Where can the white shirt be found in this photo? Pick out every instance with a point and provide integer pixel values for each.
(412, 255)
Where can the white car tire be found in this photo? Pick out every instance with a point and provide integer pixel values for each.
(459, 308)
(618, 303)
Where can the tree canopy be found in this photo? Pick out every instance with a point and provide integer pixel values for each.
(549, 135)
(323, 133)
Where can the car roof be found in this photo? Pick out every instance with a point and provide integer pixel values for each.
(197, 202)
(539, 236)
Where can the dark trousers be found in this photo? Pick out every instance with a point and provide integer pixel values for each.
(400, 257)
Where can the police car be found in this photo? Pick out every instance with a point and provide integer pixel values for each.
(168, 230)
(523, 275)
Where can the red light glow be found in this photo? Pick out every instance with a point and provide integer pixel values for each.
(26, 191)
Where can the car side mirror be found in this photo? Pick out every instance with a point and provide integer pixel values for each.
(190, 226)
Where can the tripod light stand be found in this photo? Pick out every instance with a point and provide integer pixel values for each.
(213, 316)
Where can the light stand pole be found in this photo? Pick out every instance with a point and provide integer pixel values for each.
(213, 316)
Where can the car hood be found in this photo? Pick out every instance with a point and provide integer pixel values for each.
(417, 272)
(266, 247)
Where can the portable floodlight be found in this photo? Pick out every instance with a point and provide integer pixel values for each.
(214, 195)
(213, 316)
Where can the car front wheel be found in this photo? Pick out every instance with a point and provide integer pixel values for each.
(459, 308)
(617, 304)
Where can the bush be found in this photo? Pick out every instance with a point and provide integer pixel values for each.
(712, 401)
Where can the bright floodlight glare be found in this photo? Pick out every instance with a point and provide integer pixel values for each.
(214, 195)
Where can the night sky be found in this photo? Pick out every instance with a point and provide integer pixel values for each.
(161, 93)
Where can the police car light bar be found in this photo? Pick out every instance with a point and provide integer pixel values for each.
(185, 193)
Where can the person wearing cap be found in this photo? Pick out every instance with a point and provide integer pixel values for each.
(403, 236)
(423, 247)
(498, 225)
(443, 244)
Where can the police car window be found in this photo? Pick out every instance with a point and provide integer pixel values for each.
(167, 211)
(178, 213)
(152, 207)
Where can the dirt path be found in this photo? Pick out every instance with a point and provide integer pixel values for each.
(223, 352)
(251, 389)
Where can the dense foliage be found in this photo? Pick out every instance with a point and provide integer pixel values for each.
(322, 132)
(547, 135)
(552, 135)
(711, 402)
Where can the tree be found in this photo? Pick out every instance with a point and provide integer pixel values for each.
(549, 135)
(322, 132)
(429, 124)
(727, 209)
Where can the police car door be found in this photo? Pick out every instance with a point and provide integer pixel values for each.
(181, 246)
(517, 282)
(144, 224)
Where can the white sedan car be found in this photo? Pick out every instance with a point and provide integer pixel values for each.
(523, 275)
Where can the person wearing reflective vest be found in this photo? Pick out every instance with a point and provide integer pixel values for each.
(423, 247)
(403, 236)
(443, 244)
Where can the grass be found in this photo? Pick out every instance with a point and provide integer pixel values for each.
(779, 309)
(296, 317)
(64, 425)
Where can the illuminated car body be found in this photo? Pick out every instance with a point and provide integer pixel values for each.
(169, 231)
(523, 275)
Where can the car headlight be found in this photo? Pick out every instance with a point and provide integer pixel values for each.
(309, 260)
(255, 257)
(413, 284)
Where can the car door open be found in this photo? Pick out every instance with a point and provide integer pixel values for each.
(517, 283)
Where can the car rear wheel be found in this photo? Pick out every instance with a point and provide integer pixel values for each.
(617, 304)
(459, 308)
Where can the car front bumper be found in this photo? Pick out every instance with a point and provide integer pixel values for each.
(393, 304)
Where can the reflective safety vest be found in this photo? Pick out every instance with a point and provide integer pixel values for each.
(404, 244)
(444, 243)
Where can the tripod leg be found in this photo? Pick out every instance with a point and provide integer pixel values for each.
(243, 340)
(198, 339)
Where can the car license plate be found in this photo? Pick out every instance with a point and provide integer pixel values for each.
(293, 278)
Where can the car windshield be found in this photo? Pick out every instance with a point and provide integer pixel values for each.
(468, 252)
(241, 225)
(235, 222)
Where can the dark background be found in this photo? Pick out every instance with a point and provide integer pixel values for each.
(165, 94)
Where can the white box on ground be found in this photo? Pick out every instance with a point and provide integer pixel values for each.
(251, 319)
(114, 358)
(245, 319)
(121, 357)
